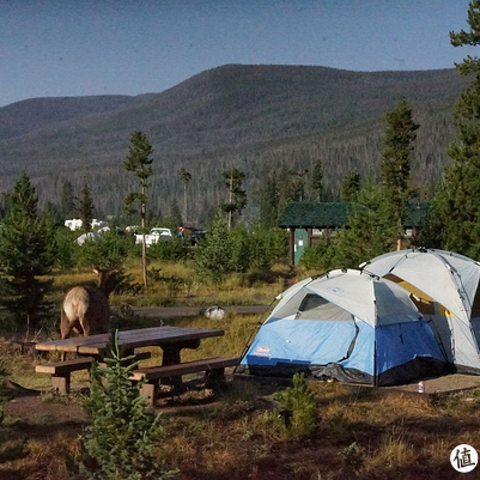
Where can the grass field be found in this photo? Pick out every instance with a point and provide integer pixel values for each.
(359, 432)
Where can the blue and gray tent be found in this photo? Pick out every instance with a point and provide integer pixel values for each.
(350, 326)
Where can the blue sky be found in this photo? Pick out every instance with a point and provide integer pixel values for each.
(51, 48)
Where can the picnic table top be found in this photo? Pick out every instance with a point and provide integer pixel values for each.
(129, 339)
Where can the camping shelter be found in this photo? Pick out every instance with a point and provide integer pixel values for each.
(445, 286)
(346, 325)
(307, 222)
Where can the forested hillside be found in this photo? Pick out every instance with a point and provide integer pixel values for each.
(259, 119)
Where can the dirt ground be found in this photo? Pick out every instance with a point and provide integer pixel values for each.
(40, 418)
(32, 410)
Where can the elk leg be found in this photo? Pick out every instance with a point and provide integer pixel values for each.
(86, 327)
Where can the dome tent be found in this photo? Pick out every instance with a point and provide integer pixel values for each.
(445, 286)
(346, 325)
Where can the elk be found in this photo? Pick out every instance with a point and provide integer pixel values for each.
(85, 309)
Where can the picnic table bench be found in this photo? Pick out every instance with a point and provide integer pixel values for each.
(61, 371)
(214, 369)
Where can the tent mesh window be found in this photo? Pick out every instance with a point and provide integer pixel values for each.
(314, 307)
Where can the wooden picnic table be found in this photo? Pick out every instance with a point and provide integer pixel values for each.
(171, 339)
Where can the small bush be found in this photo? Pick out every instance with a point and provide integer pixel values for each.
(353, 458)
(107, 250)
(298, 407)
(118, 443)
(169, 251)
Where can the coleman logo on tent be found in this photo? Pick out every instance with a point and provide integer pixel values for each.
(262, 352)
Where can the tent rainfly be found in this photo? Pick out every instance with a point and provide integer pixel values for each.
(444, 285)
(348, 325)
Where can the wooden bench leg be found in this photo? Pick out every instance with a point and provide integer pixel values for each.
(61, 383)
(215, 378)
(150, 390)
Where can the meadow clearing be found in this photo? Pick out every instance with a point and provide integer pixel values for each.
(241, 433)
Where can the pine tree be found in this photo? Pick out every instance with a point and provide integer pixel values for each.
(139, 162)
(86, 208)
(291, 185)
(455, 212)
(213, 256)
(395, 166)
(269, 200)
(68, 201)
(350, 186)
(237, 197)
(298, 407)
(371, 231)
(27, 253)
(185, 178)
(118, 443)
(317, 180)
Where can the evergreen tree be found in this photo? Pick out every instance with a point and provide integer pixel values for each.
(371, 233)
(175, 214)
(86, 208)
(213, 256)
(317, 180)
(139, 162)
(53, 214)
(455, 214)
(395, 166)
(68, 201)
(118, 443)
(350, 186)
(27, 253)
(372, 229)
(185, 178)
(298, 407)
(237, 197)
(291, 185)
(269, 200)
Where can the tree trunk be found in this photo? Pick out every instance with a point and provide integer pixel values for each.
(144, 245)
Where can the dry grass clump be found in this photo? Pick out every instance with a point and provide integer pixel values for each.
(395, 450)
(23, 459)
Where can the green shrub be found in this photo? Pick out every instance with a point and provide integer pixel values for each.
(171, 250)
(105, 251)
(118, 443)
(267, 247)
(298, 407)
(241, 249)
(320, 256)
(66, 255)
(353, 458)
(213, 256)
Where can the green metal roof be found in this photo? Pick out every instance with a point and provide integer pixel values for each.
(335, 215)
(314, 214)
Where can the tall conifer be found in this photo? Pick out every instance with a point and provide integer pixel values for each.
(455, 217)
(27, 253)
(86, 208)
(395, 166)
(237, 197)
(139, 162)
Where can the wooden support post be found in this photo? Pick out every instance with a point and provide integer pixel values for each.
(150, 390)
(61, 384)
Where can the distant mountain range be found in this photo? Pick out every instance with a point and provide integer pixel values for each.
(255, 118)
